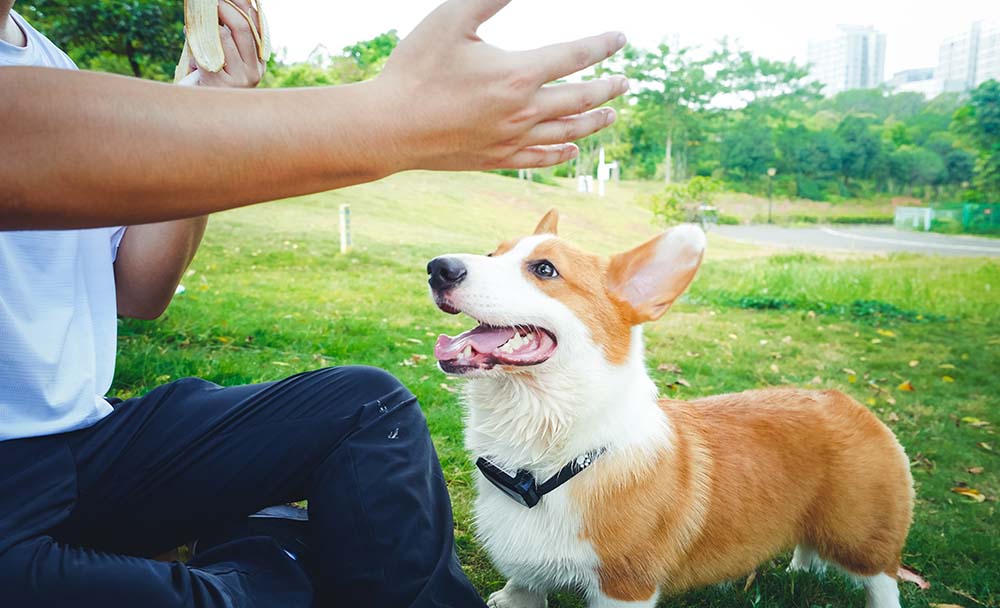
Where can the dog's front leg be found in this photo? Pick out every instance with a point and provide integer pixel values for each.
(600, 600)
(516, 596)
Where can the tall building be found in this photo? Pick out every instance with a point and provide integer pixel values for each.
(853, 59)
(970, 58)
(920, 80)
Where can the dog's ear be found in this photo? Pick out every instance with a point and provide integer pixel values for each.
(650, 277)
(549, 223)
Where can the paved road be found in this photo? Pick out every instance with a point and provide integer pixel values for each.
(863, 238)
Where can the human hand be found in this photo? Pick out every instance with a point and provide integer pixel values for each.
(455, 102)
(243, 68)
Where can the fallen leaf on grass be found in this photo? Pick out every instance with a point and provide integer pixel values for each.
(914, 363)
(947, 366)
(888, 333)
(972, 493)
(447, 388)
(975, 470)
(816, 380)
(976, 422)
(871, 401)
(750, 579)
(876, 340)
(673, 368)
(786, 340)
(947, 379)
(906, 386)
(892, 417)
(985, 446)
(679, 382)
(774, 368)
(414, 341)
(417, 358)
(280, 363)
(904, 573)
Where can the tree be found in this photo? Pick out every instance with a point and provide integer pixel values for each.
(141, 38)
(370, 55)
(978, 123)
(360, 61)
(748, 149)
(674, 88)
(861, 149)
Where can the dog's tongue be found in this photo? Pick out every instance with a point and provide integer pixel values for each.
(484, 339)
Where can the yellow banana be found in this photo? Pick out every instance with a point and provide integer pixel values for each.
(203, 42)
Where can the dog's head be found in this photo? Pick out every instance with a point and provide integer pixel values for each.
(539, 301)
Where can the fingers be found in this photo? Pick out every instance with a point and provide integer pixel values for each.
(565, 99)
(238, 16)
(234, 61)
(534, 157)
(570, 128)
(559, 60)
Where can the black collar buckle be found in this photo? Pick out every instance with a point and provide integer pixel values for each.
(522, 487)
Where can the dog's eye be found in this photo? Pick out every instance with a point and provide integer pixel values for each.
(544, 269)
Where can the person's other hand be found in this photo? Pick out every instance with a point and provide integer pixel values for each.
(455, 102)
(243, 66)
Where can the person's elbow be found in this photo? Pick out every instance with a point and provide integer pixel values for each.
(145, 308)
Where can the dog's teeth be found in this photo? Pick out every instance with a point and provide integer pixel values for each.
(530, 338)
(467, 353)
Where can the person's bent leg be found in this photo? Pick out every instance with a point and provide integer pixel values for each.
(380, 509)
(191, 455)
(38, 490)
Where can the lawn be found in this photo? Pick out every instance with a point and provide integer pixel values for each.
(270, 295)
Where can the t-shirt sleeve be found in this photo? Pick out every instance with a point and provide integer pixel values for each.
(116, 240)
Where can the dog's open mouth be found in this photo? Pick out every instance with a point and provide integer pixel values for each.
(486, 346)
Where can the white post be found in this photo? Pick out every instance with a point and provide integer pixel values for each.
(928, 218)
(345, 228)
(603, 173)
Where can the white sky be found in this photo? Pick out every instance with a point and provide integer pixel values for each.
(777, 29)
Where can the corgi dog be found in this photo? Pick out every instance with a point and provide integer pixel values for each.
(588, 480)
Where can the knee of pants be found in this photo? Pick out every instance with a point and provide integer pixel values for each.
(374, 390)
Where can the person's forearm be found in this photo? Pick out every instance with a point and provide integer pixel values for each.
(82, 148)
(151, 260)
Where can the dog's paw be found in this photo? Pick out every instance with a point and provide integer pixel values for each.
(512, 596)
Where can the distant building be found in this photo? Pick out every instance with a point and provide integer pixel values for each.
(970, 58)
(853, 59)
(920, 80)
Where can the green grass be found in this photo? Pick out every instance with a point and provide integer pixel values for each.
(270, 295)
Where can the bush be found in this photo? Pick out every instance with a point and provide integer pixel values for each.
(861, 219)
(678, 202)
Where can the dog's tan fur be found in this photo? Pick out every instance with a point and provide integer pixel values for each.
(748, 475)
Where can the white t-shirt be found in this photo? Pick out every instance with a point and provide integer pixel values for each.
(58, 325)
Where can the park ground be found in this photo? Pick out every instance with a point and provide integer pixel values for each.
(916, 338)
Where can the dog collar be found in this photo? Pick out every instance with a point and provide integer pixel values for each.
(522, 487)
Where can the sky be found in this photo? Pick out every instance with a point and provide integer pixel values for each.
(776, 29)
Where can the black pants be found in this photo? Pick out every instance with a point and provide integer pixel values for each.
(81, 511)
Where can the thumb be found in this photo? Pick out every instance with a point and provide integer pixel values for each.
(473, 13)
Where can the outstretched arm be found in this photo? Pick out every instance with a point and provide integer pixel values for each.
(90, 149)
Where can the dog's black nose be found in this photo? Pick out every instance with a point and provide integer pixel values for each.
(445, 273)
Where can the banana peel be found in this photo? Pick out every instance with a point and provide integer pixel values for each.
(203, 40)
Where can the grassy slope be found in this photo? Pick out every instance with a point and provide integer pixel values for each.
(270, 295)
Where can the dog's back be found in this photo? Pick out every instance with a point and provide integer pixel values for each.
(746, 476)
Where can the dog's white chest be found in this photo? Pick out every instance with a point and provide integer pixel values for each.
(539, 548)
